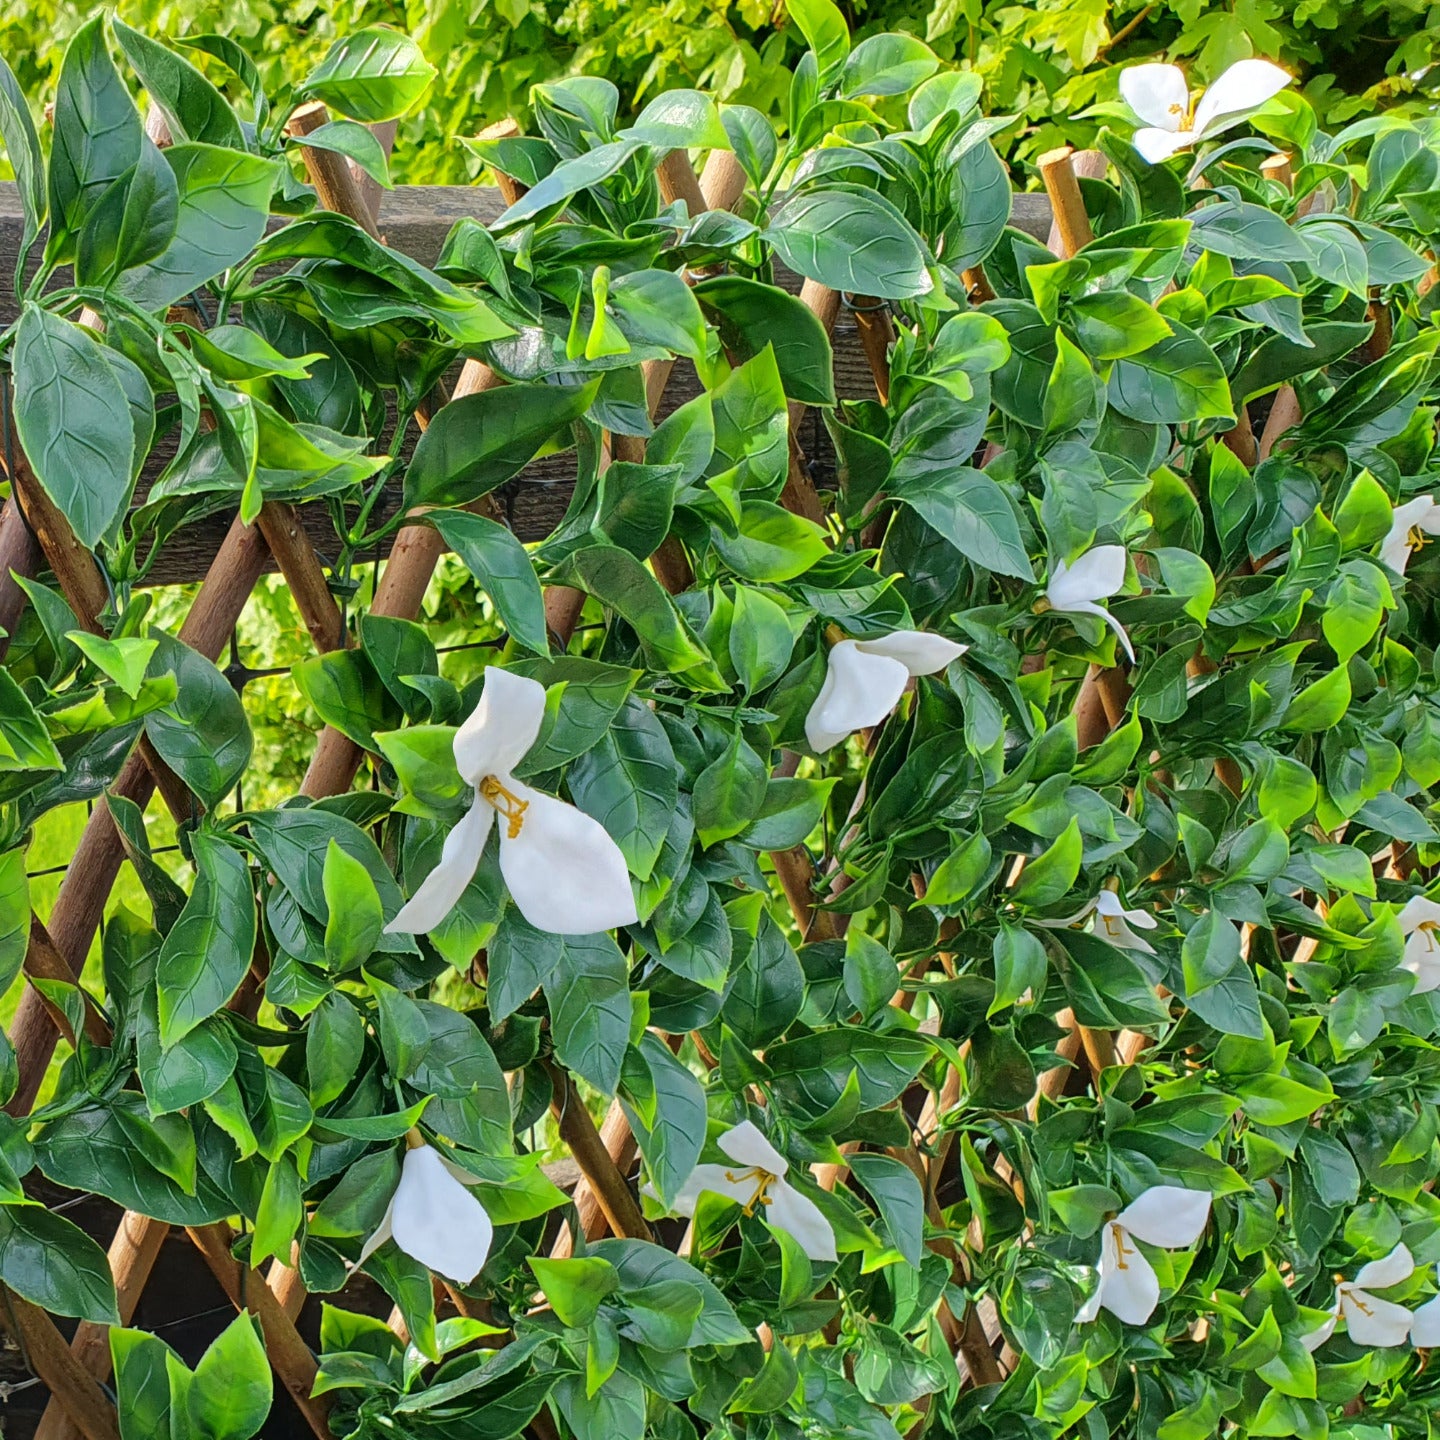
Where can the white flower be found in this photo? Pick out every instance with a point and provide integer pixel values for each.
(1409, 526)
(1113, 922)
(1425, 1322)
(1419, 919)
(1159, 95)
(434, 1219)
(1165, 1215)
(760, 1187)
(1096, 575)
(565, 874)
(865, 679)
(1369, 1321)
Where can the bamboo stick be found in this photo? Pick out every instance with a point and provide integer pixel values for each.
(289, 1354)
(371, 191)
(43, 962)
(330, 174)
(877, 335)
(133, 1253)
(622, 1148)
(1278, 169)
(86, 885)
(1284, 415)
(510, 189)
(722, 181)
(299, 564)
(596, 1163)
(1285, 408)
(74, 565)
(19, 555)
(72, 1386)
(1071, 225)
(76, 916)
(677, 181)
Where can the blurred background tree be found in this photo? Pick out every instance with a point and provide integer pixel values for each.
(1045, 61)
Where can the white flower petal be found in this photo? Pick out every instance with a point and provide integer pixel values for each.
(502, 727)
(446, 883)
(800, 1217)
(1425, 1324)
(1421, 513)
(1158, 145)
(860, 690)
(1396, 549)
(1096, 575)
(1063, 921)
(1117, 933)
(1114, 922)
(1245, 86)
(1157, 93)
(1372, 1321)
(1129, 1287)
(1091, 1308)
(1417, 911)
(1391, 1269)
(716, 1179)
(437, 1221)
(746, 1144)
(917, 650)
(1422, 960)
(1316, 1338)
(564, 872)
(1167, 1215)
(1087, 607)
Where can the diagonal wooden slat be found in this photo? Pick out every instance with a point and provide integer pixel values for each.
(138, 1239)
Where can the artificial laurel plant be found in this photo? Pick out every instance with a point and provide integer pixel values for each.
(976, 862)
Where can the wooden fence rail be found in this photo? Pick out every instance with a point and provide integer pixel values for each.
(415, 219)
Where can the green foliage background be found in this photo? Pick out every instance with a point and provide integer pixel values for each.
(1042, 61)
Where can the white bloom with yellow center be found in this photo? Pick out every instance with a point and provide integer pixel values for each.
(1368, 1319)
(564, 872)
(1168, 1216)
(1419, 921)
(757, 1183)
(864, 680)
(1160, 97)
(1096, 575)
(1112, 922)
(1411, 526)
(434, 1218)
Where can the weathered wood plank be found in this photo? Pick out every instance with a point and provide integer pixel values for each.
(415, 219)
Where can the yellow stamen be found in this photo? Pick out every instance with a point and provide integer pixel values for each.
(1112, 926)
(510, 805)
(1120, 1251)
(763, 1181)
(1358, 1303)
(1417, 539)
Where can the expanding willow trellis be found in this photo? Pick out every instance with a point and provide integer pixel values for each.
(37, 530)
(1085, 1048)
(604, 1199)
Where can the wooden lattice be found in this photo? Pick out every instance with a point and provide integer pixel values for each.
(33, 533)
